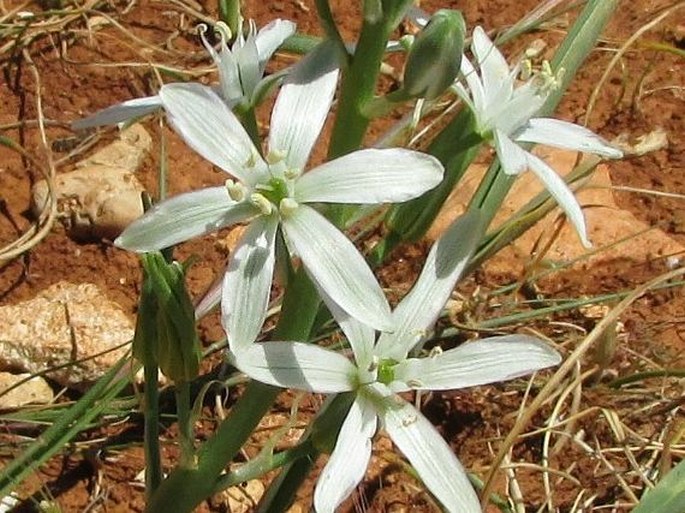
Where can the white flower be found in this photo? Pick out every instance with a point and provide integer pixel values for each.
(505, 115)
(382, 368)
(241, 68)
(241, 72)
(273, 193)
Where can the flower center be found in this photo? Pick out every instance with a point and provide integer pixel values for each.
(386, 370)
(275, 190)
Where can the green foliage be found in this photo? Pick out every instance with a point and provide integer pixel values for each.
(165, 329)
(668, 496)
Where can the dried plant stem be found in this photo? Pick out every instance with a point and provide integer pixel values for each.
(42, 227)
(638, 33)
(566, 368)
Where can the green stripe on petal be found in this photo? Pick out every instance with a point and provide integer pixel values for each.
(247, 283)
(562, 134)
(183, 217)
(303, 104)
(421, 307)
(347, 464)
(333, 262)
(477, 363)
(371, 176)
(208, 126)
(296, 365)
(428, 453)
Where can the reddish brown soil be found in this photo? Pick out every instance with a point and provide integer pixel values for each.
(644, 92)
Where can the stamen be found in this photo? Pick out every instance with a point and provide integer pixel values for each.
(263, 204)
(236, 190)
(251, 161)
(287, 207)
(223, 30)
(275, 156)
(292, 173)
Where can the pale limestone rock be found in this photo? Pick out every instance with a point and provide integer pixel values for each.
(102, 196)
(34, 391)
(61, 325)
(607, 223)
(128, 152)
(244, 497)
(93, 202)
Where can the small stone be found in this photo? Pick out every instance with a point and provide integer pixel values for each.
(102, 196)
(244, 497)
(33, 391)
(128, 152)
(93, 202)
(63, 324)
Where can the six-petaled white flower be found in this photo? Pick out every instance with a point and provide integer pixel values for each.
(383, 368)
(273, 192)
(241, 72)
(505, 113)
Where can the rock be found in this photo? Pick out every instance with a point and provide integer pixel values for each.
(93, 202)
(63, 325)
(607, 223)
(33, 391)
(244, 497)
(128, 152)
(102, 196)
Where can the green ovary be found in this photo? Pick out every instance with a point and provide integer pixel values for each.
(386, 371)
(275, 190)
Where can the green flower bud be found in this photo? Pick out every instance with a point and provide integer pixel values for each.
(435, 57)
(165, 329)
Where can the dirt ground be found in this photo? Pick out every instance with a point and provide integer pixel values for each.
(594, 465)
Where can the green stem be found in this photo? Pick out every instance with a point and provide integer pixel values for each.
(249, 122)
(320, 437)
(358, 87)
(185, 488)
(184, 418)
(329, 27)
(153, 461)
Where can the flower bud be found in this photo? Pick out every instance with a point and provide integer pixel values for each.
(435, 57)
(165, 330)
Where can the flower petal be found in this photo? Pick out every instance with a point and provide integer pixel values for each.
(371, 176)
(247, 283)
(421, 307)
(270, 37)
(508, 116)
(211, 298)
(229, 76)
(562, 134)
(119, 113)
(360, 336)
(475, 89)
(514, 159)
(209, 127)
(476, 363)
(560, 191)
(333, 262)
(428, 453)
(303, 104)
(183, 217)
(498, 82)
(347, 464)
(296, 365)
(248, 61)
